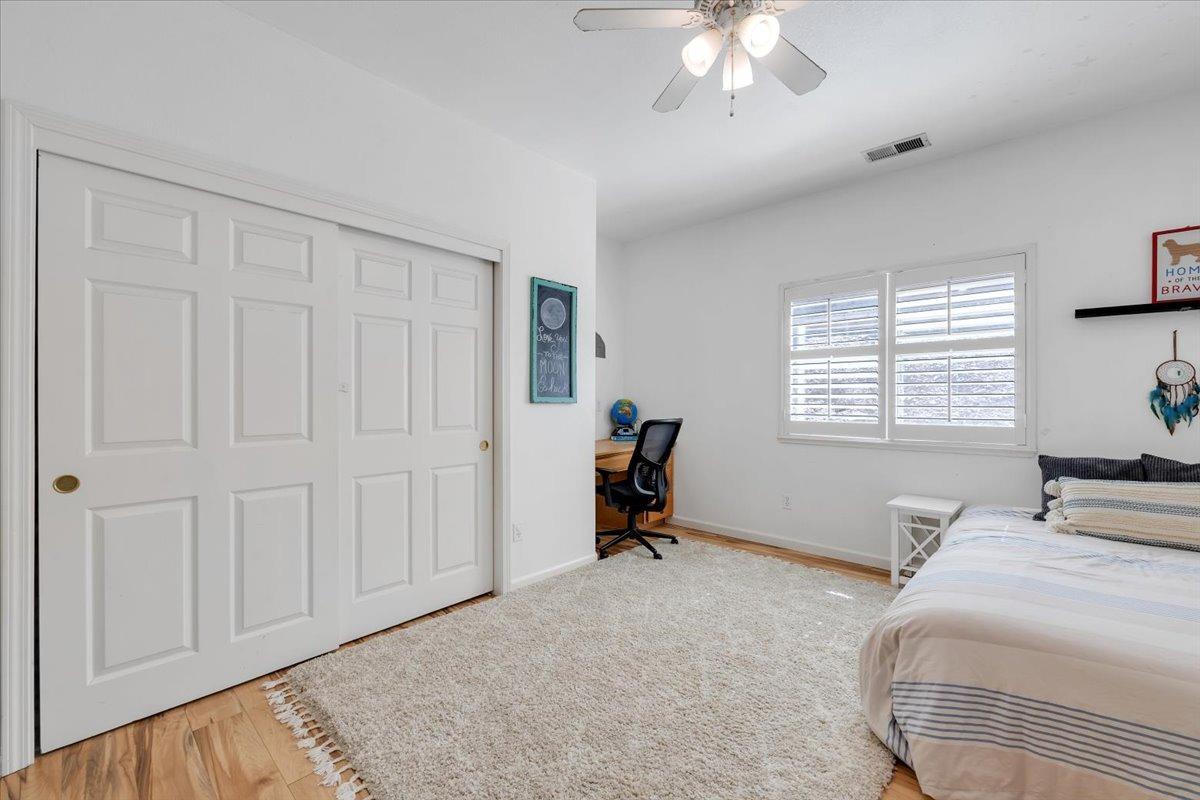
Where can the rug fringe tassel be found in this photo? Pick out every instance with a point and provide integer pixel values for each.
(319, 755)
(349, 790)
(317, 745)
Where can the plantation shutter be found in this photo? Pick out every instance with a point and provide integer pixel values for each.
(832, 344)
(958, 352)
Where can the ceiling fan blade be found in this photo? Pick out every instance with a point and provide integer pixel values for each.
(616, 19)
(797, 71)
(676, 92)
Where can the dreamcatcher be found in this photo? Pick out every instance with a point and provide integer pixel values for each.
(1177, 397)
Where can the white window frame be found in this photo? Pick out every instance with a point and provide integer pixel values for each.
(1018, 441)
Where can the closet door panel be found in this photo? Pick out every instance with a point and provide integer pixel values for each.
(416, 474)
(187, 349)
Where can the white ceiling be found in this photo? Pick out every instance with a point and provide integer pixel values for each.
(968, 73)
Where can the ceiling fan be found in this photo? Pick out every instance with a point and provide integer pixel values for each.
(748, 27)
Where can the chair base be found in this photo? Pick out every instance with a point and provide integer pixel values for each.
(631, 531)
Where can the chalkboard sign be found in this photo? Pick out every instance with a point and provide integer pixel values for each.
(552, 311)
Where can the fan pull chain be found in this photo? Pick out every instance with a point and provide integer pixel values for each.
(732, 71)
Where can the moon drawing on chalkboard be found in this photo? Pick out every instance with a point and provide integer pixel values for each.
(553, 313)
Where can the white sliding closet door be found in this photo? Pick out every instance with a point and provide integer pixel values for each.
(187, 369)
(416, 466)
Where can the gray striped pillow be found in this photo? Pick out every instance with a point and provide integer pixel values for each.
(1141, 512)
(1109, 469)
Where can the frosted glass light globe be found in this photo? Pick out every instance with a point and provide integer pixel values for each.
(737, 71)
(758, 33)
(701, 52)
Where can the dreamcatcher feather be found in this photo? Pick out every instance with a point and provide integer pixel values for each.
(1176, 398)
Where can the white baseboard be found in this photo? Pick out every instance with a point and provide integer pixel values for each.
(798, 545)
(541, 575)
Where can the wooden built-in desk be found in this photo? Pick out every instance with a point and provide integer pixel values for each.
(616, 455)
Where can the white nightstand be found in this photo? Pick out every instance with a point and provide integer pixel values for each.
(917, 527)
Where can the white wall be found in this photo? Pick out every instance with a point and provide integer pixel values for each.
(207, 77)
(611, 293)
(1088, 196)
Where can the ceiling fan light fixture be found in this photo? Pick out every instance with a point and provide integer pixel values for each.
(758, 33)
(737, 73)
(701, 52)
(748, 29)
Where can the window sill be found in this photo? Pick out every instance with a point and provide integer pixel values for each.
(1007, 450)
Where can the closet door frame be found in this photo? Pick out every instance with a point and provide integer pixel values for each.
(27, 131)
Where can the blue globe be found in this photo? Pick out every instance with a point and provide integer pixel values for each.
(624, 412)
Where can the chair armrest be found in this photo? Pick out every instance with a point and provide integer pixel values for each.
(606, 482)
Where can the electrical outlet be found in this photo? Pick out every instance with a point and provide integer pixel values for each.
(787, 502)
(517, 534)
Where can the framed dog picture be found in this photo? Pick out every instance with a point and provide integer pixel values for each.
(1175, 264)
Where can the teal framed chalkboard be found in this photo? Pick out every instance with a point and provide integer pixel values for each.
(553, 309)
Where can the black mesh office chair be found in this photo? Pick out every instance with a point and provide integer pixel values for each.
(644, 488)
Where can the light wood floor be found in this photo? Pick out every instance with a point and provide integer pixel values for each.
(228, 746)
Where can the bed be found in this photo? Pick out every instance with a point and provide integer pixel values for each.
(1020, 663)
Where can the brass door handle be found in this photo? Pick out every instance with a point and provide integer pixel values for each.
(483, 446)
(65, 484)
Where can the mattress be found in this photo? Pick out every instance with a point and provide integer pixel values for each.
(1020, 663)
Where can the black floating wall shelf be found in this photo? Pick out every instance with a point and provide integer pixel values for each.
(1138, 308)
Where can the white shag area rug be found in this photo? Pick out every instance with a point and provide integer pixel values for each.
(713, 673)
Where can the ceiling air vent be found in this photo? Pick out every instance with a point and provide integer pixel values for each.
(897, 148)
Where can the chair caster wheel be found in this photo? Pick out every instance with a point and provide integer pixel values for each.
(674, 540)
(658, 556)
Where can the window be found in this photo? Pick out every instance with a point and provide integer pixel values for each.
(932, 355)
(833, 373)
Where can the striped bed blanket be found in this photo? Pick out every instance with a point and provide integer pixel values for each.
(1020, 663)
